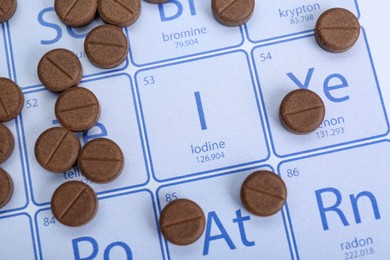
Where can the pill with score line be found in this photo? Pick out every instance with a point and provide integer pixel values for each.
(101, 160)
(74, 203)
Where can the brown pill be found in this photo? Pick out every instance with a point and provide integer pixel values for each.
(101, 160)
(57, 149)
(77, 109)
(182, 222)
(302, 111)
(106, 46)
(6, 188)
(337, 30)
(263, 193)
(59, 69)
(74, 203)
(6, 143)
(232, 12)
(76, 13)
(156, 1)
(11, 100)
(7, 9)
(121, 13)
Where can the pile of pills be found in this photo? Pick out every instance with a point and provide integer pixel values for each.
(77, 109)
(11, 104)
(182, 221)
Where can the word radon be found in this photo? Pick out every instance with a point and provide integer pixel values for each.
(191, 32)
(357, 242)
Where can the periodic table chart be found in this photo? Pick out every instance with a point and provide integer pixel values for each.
(195, 110)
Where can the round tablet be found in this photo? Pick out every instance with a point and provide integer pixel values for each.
(6, 143)
(77, 109)
(120, 13)
(156, 1)
(106, 46)
(74, 203)
(59, 69)
(337, 30)
(263, 193)
(302, 111)
(182, 222)
(101, 160)
(232, 13)
(76, 13)
(7, 9)
(11, 100)
(57, 149)
(6, 188)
